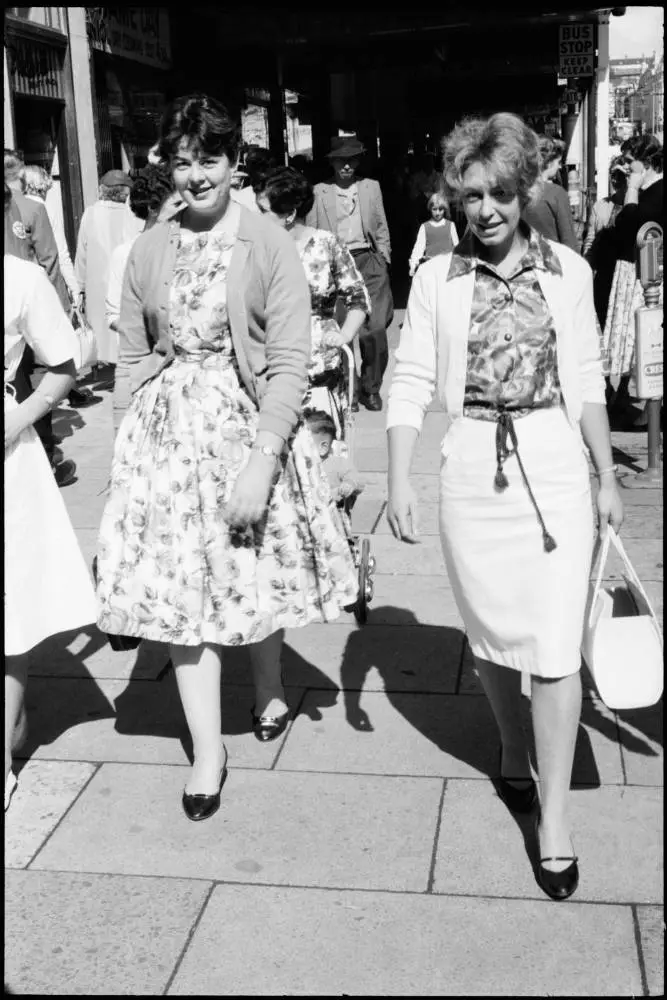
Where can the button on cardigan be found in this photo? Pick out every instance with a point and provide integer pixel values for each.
(268, 303)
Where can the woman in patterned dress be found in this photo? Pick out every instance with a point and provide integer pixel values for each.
(505, 327)
(218, 530)
(286, 197)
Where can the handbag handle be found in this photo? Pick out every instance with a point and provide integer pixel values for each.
(611, 538)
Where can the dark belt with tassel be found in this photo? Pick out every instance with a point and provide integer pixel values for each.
(505, 429)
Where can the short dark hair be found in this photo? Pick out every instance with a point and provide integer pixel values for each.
(152, 186)
(646, 149)
(320, 422)
(258, 162)
(204, 123)
(287, 191)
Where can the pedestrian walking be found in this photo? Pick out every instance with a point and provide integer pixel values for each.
(29, 236)
(47, 586)
(599, 247)
(151, 188)
(104, 226)
(505, 328)
(286, 197)
(550, 213)
(353, 210)
(218, 530)
(36, 184)
(643, 202)
(437, 235)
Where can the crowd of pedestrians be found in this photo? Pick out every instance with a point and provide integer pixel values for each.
(221, 313)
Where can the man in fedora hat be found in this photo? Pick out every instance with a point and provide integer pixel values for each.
(354, 211)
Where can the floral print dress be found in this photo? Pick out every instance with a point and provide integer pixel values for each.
(332, 276)
(170, 569)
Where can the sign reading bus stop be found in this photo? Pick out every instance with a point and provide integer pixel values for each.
(576, 50)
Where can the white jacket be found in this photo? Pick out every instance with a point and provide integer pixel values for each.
(433, 351)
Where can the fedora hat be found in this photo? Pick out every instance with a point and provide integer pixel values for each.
(344, 146)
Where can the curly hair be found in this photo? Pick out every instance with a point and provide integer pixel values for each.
(204, 124)
(645, 148)
(287, 191)
(320, 422)
(115, 192)
(550, 149)
(152, 186)
(35, 180)
(504, 144)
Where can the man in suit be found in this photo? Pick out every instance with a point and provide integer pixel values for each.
(354, 211)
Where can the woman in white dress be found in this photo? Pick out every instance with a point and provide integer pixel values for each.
(47, 586)
(505, 327)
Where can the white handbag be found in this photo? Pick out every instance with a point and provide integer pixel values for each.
(86, 343)
(622, 644)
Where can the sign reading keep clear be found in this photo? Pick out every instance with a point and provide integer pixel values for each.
(576, 50)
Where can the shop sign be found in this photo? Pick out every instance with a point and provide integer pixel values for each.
(138, 33)
(576, 50)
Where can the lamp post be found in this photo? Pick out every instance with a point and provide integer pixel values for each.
(648, 351)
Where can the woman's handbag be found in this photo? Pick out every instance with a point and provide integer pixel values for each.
(87, 346)
(622, 645)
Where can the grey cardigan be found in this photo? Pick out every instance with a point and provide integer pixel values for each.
(268, 304)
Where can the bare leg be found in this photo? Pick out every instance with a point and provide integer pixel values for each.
(502, 686)
(16, 678)
(198, 673)
(267, 675)
(556, 705)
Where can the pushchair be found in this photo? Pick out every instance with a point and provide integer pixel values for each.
(326, 392)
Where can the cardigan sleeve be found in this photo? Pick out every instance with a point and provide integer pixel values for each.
(413, 383)
(418, 249)
(288, 341)
(588, 338)
(134, 343)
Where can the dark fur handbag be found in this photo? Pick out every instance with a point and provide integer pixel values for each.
(119, 643)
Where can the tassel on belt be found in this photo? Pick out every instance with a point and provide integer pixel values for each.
(505, 429)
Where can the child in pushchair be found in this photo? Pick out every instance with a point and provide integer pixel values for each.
(332, 432)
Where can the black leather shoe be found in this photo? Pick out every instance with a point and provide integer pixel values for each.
(65, 472)
(372, 401)
(557, 885)
(518, 800)
(198, 807)
(267, 727)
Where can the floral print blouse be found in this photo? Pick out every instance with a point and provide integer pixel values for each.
(512, 358)
(332, 275)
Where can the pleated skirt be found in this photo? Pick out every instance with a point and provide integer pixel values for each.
(522, 607)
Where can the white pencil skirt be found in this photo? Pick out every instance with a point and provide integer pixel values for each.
(522, 607)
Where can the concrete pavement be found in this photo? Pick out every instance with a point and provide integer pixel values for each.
(365, 852)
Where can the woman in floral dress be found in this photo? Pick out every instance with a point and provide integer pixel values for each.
(218, 530)
(286, 197)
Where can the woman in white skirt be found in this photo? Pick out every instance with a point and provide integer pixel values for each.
(504, 327)
(47, 586)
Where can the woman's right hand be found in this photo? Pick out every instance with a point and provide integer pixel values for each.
(402, 513)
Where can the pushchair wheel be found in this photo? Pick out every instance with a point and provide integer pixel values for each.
(365, 584)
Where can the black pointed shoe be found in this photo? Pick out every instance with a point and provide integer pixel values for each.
(268, 727)
(558, 885)
(518, 800)
(198, 807)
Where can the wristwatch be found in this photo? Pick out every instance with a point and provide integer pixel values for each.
(266, 449)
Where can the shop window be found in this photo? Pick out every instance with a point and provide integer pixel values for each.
(299, 131)
(50, 17)
(255, 125)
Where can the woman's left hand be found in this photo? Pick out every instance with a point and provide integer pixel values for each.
(14, 426)
(610, 507)
(250, 495)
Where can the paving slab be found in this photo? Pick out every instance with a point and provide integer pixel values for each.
(651, 920)
(429, 598)
(274, 827)
(402, 656)
(423, 558)
(45, 791)
(617, 835)
(87, 653)
(95, 935)
(642, 745)
(408, 734)
(137, 722)
(361, 944)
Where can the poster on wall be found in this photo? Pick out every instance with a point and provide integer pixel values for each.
(138, 33)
